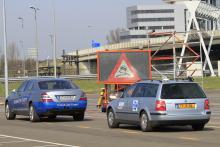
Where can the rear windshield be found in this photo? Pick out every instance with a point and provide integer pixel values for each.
(182, 91)
(51, 85)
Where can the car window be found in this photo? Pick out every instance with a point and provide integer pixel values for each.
(182, 91)
(146, 90)
(129, 91)
(56, 84)
(29, 86)
(22, 87)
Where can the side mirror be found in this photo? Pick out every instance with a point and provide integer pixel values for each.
(116, 95)
(13, 91)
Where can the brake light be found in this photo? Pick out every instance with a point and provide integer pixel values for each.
(45, 98)
(160, 105)
(206, 104)
(83, 99)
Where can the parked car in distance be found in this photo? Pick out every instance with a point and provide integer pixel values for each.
(46, 97)
(152, 103)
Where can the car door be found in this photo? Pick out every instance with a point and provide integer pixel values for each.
(18, 98)
(26, 95)
(11, 100)
(134, 103)
(122, 104)
(143, 98)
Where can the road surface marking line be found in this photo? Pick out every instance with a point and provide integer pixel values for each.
(130, 132)
(34, 140)
(189, 138)
(214, 127)
(7, 142)
(44, 145)
(83, 127)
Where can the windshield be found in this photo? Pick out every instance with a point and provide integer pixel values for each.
(182, 91)
(52, 85)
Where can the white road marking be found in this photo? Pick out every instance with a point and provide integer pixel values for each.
(44, 145)
(131, 132)
(215, 127)
(189, 138)
(7, 142)
(34, 140)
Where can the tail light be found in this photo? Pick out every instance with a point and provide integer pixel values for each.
(46, 98)
(83, 97)
(206, 104)
(160, 105)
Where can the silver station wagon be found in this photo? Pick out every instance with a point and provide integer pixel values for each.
(153, 103)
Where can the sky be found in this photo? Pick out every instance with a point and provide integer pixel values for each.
(78, 22)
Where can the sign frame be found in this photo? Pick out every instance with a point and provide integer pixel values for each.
(123, 51)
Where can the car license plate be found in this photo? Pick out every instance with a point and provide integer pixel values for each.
(186, 106)
(65, 98)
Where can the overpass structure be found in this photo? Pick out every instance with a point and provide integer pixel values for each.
(153, 43)
(193, 36)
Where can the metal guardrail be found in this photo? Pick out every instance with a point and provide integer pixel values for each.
(80, 77)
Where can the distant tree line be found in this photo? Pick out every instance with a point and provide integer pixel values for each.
(15, 62)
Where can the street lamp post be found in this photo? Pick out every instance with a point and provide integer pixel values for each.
(51, 41)
(37, 40)
(54, 40)
(5, 48)
(22, 44)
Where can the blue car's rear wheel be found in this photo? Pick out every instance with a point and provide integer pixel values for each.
(8, 113)
(32, 114)
(52, 116)
(79, 116)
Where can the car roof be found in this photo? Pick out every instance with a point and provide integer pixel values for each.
(46, 79)
(165, 81)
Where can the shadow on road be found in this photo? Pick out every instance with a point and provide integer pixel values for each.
(166, 129)
(57, 120)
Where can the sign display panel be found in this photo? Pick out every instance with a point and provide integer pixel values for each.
(126, 66)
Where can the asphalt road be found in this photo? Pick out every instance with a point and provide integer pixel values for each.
(94, 132)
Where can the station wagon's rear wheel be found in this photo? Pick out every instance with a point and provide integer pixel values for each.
(112, 123)
(8, 114)
(32, 114)
(145, 123)
(198, 127)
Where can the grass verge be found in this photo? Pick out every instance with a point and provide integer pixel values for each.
(91, 86)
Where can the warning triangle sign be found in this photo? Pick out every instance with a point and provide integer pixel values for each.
(123, 71)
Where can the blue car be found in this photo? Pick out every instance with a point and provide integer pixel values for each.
(46, 97)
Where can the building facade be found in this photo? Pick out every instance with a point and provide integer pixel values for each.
(168, 17)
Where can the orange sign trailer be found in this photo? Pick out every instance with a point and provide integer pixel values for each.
(120, 68)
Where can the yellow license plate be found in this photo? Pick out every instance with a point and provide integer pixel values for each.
(186, 106)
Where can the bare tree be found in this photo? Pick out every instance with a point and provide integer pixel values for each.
(14, 63)
(13, 51)
(114, 36)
